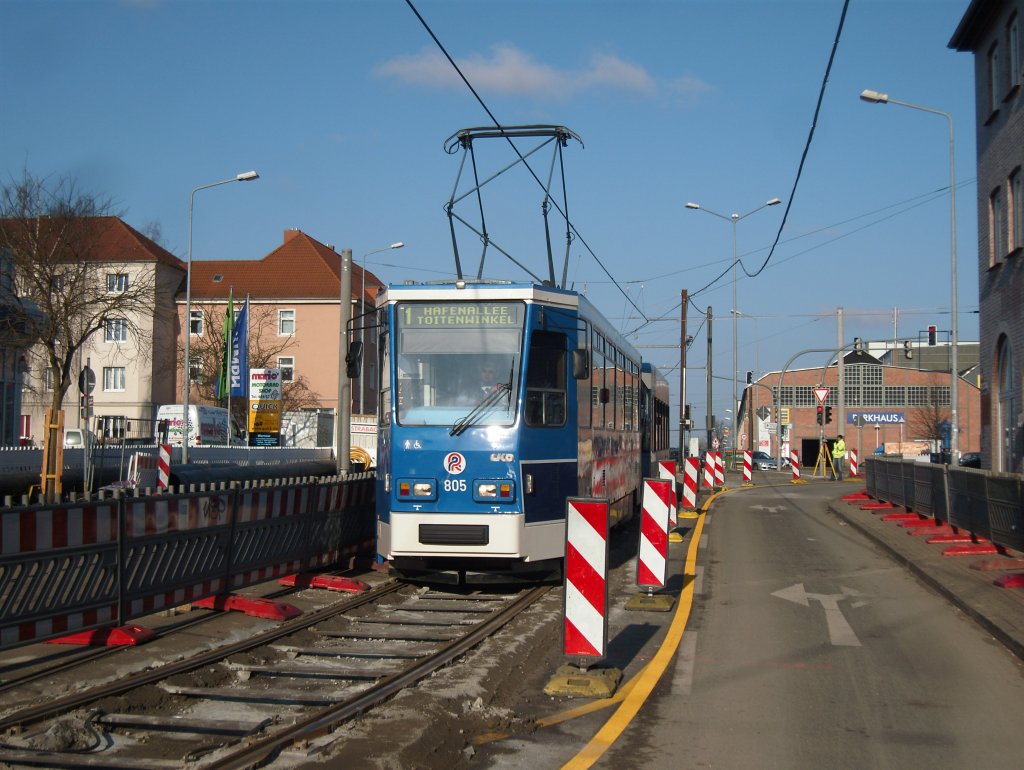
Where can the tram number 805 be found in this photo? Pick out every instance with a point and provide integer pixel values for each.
(455, 485)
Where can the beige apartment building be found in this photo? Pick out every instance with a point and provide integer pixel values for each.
(294, 320)
(132, 356)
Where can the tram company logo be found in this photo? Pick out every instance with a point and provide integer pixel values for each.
(454, 463)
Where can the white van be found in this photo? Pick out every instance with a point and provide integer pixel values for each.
(208, 425)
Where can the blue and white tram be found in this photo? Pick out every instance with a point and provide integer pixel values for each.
(654, 420)
(498, 402)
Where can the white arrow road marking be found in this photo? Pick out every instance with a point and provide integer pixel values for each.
(839, 631)
(769, 508)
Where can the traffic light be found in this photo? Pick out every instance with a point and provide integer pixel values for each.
(931, 334)
(750, 378)
(828, 415)
(907, 352)
(821, 412)
(858, 345)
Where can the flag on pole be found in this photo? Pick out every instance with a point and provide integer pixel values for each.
(225, 361)
(238, 366)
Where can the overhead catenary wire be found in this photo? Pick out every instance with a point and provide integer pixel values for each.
(515, 149)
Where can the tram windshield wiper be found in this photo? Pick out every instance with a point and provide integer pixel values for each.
(501, 390)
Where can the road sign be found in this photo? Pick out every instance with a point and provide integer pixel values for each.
(763, 412)
(772, 426)
(86, 380)
(821, 394)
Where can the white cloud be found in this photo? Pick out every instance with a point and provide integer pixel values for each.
(509, 70)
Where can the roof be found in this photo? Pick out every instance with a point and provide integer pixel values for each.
(117, 241)
(300, 268)
(974, 25)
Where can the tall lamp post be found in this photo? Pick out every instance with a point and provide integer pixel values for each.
(876, 97)
(362, 300)
(735, 219)
(246, 176)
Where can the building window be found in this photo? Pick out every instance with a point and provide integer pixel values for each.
(851, 396)
(287, 366)
(871, 396)
(1013, 50)
(285, 323)
(804, 395)
(195, 323)
(113, 378)
(994, 97)
(872, 375)
(940, 396)
(895, 395)
(48, 379)
(852, 374)
(997, 227)
(1016, 235)
(117, 282)
(116, 330)
(917, 395)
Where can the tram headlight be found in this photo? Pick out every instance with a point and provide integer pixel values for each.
(488, 490)
(417, 489)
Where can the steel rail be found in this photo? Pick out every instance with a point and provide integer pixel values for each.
(257, 753)
(76, 700)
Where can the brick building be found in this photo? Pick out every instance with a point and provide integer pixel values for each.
(991, 30)
(881, 404)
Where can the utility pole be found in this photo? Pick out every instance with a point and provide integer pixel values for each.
(682, 374)
(710, 419)
(343, 427)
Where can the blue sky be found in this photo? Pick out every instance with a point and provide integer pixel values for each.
(343, 107)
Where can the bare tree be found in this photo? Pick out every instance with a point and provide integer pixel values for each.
(56, 238)
(928, 422)
(208, 351)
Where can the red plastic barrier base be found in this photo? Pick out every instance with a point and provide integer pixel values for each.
(994, 565)
(930, 530)
(970, 550)
(957, 537)
(122, 636)
(877, 506)
(856, 497)
(328, 582)
(1010, 581)
(252, 606)
(902, 517)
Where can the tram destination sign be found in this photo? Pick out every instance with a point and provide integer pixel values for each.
(441, 315)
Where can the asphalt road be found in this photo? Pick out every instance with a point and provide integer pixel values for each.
(808, 647)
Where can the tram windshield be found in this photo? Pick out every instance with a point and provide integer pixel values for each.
(457, 362)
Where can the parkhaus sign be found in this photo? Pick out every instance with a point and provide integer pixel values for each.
(875, 418)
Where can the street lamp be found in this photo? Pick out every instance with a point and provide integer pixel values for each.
(954, 443)
(362, 330)
(246, 176)
(734, 218)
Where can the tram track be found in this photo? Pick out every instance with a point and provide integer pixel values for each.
(243, 703)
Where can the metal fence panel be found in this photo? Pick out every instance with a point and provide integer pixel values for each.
(58, 570)
(1005, 515)
(968, 504)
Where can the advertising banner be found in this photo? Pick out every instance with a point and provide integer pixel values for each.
(264, 407)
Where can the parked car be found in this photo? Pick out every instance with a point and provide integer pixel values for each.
(970, 460)
(762, 461)
(75, 438)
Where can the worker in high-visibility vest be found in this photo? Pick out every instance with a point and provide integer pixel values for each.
(838, 455)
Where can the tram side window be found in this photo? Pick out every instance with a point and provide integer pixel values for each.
(384, 384)
(546, 380)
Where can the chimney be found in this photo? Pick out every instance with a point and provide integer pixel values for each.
(291, 233)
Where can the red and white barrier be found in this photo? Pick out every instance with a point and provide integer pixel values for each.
(748, 464)
(691, 469)
(853, 464)
(667, 472)
(794, 463)
(719, 470)
(709, 469)
(653, 557)
(586, 583)
(163, 478)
